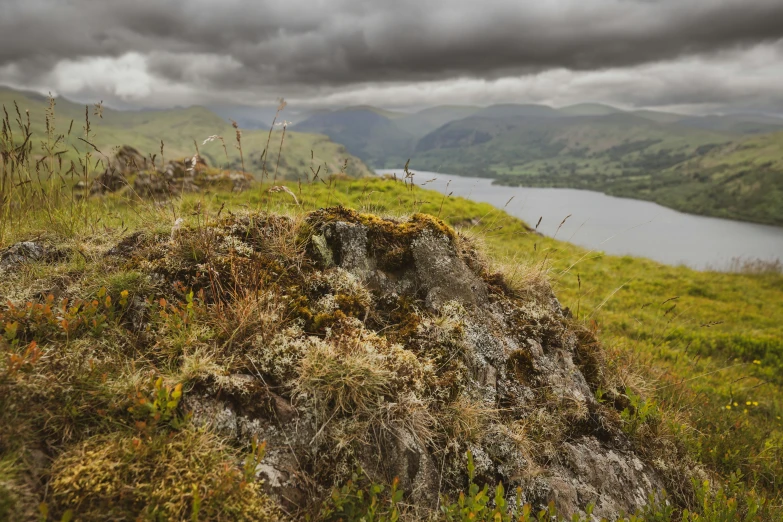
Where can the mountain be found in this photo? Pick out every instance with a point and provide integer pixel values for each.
(557, 149)
(508, 110)
(735, 123)
(588, 109)
(659, 116)
(705, 165)
(427, 120)
(742, 179)
(180, 131)
(367, 133)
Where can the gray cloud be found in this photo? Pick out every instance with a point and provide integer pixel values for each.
(153, 52)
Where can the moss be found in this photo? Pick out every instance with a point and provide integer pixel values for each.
(388, 240)
(185, 475)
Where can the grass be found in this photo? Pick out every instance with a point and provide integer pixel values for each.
(697, 355)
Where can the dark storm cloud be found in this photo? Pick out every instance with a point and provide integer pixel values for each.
(162, 51)
(345, 42)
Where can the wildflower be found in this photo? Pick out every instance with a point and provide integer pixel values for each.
(735, 404)
(756, 361)
(728, 406)
(755, 403)
(745, 410)
(747, 403)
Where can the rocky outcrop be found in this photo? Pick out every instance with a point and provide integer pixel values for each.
(129, 169)
(472, 364)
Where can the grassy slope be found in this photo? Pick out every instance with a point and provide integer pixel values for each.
(427, 120)
(742, 179)
(699, 332)
(366, 132)
(181, 131)
(558, 151)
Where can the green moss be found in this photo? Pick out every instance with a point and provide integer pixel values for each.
(388, 240)
(188, 475)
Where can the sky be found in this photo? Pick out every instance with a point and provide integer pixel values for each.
(697, 56)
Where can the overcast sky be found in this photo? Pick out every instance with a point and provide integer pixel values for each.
(686, 55)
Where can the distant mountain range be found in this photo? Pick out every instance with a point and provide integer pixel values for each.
(720, 165)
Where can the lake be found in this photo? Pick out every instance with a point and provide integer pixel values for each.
(620, 225)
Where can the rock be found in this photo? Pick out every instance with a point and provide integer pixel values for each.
(613, 480)
(125, 161)
(20, 253)
(437, 271)
(476, 367)
(442, 274)
(494, 327)
(405, 457)
(175, 177)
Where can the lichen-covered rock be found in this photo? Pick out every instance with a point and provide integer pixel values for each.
(392, 348)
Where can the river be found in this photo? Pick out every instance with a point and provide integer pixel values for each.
(620, 226)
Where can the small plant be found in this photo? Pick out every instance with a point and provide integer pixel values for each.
(158, 407)
(478, 506)
(257, 453)
(47, 321)
(358, 502)
(639, 412)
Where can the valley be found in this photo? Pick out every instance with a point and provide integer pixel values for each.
(727, 166)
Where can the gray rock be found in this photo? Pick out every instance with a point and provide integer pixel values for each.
(20, 253)
(442, 274)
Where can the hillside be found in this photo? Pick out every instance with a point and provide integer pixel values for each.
(742, 179)
(367, 133)
(557, 151)
(180, 131)
(638, 154)
(695, 166)
(339, 338)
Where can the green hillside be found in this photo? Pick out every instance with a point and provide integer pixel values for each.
(742, 179)
(366, 132)
(558, 151)
(588, 109)
(427, 120)
(700, 165)
(700, 353)
(180, 131)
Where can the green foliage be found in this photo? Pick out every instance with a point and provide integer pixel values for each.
(188, 474)
(477, 504)
(360, 500)
(730, 502)
(158, 407)
(639, 412)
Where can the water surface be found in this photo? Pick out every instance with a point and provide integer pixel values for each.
(620, 225)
